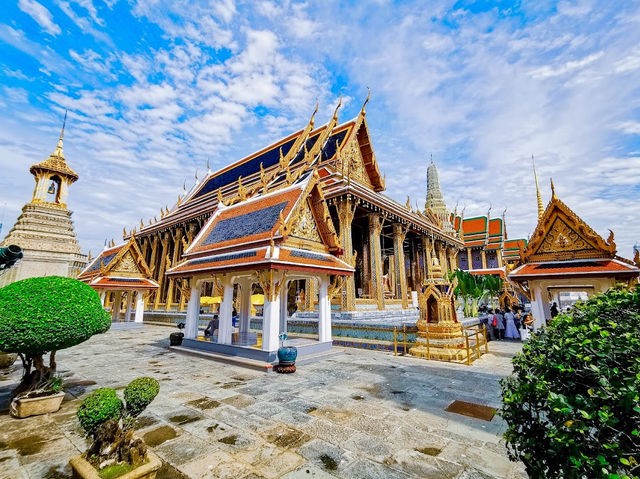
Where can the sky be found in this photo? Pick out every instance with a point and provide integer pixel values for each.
(155, 88)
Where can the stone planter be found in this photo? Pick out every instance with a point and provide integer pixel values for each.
(7, 359)
(82, 469)
(175, 339)
(25, 407)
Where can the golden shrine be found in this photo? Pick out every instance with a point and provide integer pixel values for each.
(564, 254)
(390, 245)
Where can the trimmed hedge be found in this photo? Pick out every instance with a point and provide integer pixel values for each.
(38, 315)
(139, 394)
(98, 407)
(572, 404)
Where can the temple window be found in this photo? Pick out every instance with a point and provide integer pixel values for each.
(476, 259)
(492, 259)
(463, 261)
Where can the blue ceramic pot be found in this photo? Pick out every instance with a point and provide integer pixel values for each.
(287, 354)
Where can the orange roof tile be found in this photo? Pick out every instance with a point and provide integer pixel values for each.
(572, 268)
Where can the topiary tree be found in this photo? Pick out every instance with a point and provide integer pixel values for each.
(572, 404)
(44, 315)
(109, 423)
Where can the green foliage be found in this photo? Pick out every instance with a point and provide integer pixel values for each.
(115, 470)
(139, 394)
(572, 404)
(98, 407)
(39, 315)
(473, 288)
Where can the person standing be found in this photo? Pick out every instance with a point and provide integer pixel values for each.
(511, 332)
(499, 321)
(554, 310)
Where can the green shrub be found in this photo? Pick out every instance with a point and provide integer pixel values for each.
(38, 315)
(98, 407)
(572, 404)
(139, 394)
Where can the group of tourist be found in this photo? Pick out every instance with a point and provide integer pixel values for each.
(509, 323)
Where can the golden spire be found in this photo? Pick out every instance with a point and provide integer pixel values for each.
(535, 175)
(58, 150)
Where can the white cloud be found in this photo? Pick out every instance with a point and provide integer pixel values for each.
(41, 15)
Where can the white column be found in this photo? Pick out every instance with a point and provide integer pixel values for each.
(537, 309)
(193, 311)
(127, 314)
(284, 293)
(139, 306)
(115, 307)
(103, 297)
(271, 321)
(324, 311)
(226, 312)
(245, 305)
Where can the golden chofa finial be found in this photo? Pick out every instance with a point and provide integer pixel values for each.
(335, 113)
(220, 198)
(553, 189)
(208, 167)
(313, 115)
(362, 110)
(124, 233)
(89, 257)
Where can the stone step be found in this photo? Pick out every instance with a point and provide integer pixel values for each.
(226, 358)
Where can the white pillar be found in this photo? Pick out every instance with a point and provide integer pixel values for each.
(245, 305)
(324, 311)
(139, 306)
(193, 311)
(271, 321)
(127, 314)
(284, 293)
(537, 308)
(226, 312)
(115, 307)
(103, 297)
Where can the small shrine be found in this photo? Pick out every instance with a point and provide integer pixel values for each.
(119, 273)
(44, 230)
(440, 335)
(264, 239)
(565, 255)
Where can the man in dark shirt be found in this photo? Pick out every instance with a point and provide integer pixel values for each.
(213, 326)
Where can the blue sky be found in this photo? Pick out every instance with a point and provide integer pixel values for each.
(155, 87)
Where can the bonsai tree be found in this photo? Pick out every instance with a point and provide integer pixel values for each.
(109, 423)
(572, 404)
(44, 315)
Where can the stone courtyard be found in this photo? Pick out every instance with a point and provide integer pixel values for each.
(358, 414)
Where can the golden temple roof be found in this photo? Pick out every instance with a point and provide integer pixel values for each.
(56, 161)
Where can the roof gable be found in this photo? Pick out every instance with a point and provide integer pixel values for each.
(298, 211)
(561, 235)
(124, 260)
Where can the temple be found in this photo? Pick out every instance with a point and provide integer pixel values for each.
(390, 245)
(565, 254)
(121, 271)
(44, 230)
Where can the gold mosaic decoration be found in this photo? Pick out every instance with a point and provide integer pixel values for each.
(562, 238)
(305, 225)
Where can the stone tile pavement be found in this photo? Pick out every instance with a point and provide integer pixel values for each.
(360, 414)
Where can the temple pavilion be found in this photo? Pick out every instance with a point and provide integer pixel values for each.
(271, 238)
(389, 244)
(120, 270)
(564, 254)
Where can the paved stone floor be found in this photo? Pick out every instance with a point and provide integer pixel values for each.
(360, 414)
